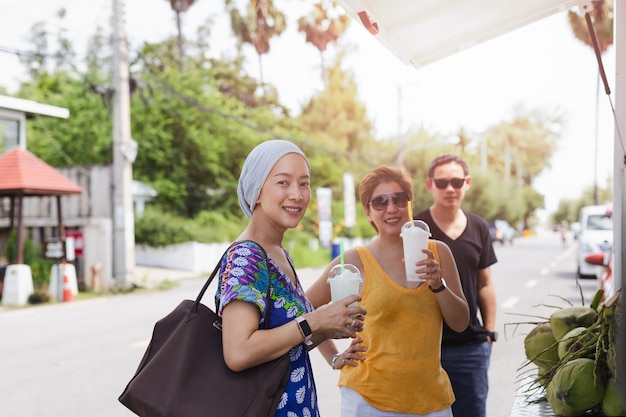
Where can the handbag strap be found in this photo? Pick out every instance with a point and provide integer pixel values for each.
(217, 268)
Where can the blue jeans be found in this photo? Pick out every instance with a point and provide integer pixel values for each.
(467, 366)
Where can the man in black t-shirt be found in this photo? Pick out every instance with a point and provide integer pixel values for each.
(465, 356)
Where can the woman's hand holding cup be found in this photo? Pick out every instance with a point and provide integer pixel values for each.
(341, 319)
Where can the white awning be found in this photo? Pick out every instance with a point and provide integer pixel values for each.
(420, 32)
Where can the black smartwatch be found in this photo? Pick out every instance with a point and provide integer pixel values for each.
(305, 329)
(492, 335)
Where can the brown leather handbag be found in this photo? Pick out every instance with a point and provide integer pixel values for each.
(183, 373)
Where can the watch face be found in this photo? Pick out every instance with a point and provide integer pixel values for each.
(306, 329)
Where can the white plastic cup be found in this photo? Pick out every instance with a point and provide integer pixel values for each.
(414, 238)
(344, 281)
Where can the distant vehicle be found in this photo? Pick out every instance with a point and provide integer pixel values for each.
(595, 236)
(501, 231)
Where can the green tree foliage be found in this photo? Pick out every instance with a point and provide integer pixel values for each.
(517, 152)
(566, 211)
(85, 138)
(192, 141)
(194, 130)
(569, 209)
(56, 80)
(490, 196)
(520, 149)
(337, 118)
(33, 256)
(338, 140)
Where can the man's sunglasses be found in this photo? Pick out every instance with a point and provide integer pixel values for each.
(381, 201)
(442, 183)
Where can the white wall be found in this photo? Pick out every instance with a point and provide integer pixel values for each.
(190, 256)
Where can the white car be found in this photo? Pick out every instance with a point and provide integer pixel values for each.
(596, 235)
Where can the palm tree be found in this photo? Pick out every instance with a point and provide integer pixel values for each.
(602, 18)
(321, 28)
(180, 6)
(257, 26)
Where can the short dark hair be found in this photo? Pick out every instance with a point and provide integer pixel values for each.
(446, 159)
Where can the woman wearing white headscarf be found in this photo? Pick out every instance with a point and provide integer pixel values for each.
(274, 192)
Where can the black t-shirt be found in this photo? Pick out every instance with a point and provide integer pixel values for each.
(472, 250)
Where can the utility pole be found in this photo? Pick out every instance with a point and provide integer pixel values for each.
(124, 153)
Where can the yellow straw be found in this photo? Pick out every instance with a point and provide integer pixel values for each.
(410, 206)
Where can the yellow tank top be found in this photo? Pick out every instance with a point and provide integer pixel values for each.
(402, 369)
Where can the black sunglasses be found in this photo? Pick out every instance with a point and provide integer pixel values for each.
(381, 201)
(442, 183)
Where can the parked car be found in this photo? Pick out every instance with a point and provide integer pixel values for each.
(596, 235)
(501, 231)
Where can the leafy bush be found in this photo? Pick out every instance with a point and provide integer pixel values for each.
(157, 228)
(40, 268)
(306, 257)
(212, 226)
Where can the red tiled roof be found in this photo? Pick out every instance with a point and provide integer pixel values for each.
(21, 172)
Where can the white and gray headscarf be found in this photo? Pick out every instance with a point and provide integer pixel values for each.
(257, 167)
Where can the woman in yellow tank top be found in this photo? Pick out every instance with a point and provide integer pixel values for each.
(393, 366)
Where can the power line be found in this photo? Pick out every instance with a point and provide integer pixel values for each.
(33, 54)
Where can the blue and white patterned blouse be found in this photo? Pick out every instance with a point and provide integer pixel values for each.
(244, 277)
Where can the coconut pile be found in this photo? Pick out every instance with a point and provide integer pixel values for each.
(576, 357)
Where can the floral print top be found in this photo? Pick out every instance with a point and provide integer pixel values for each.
(244, 277)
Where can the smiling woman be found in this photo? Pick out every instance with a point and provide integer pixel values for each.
(274, 192)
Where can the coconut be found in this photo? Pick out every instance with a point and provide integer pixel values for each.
(614, 402)
(576, 386)
(559, 407)
(543, 375)
(566, 319)
(541, 347)
(573, 341)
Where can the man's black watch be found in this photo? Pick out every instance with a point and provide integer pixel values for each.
(493, 336)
